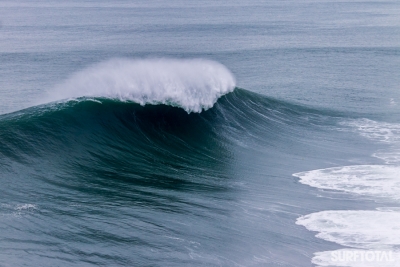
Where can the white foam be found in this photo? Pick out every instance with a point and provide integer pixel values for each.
(364, 231)
(25, 207)
(368, 231)
(193, 84)
(10, 211)
(377, 131)
(380, 132)
(381, 181)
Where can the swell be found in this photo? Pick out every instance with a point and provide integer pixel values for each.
(101, 124)
(155, 159)
(107, 150)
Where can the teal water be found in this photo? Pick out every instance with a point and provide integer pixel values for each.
(198, 134)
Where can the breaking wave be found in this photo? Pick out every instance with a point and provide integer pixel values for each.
(192, 84)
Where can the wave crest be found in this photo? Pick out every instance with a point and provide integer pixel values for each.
(192, 84)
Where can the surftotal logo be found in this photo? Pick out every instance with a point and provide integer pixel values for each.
(362, 256)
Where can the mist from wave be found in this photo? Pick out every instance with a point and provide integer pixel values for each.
(192, 84)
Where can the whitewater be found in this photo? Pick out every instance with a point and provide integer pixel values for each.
(361, 231)
(192, 84)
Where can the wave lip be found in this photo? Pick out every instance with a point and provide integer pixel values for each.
(192, 84)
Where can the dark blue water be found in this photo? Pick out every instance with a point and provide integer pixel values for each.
(199, 133)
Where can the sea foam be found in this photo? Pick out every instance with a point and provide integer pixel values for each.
(374, 233)
(377, 181)
(363, 232)
(192, 84)
(364, 229)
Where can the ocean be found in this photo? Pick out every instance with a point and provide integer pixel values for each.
(199, 133)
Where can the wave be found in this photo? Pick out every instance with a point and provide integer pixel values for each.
(85, 143)
(192, 84)
(97, 139)
(88, 144)
(117, 125)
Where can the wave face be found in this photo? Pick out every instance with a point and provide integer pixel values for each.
(192, 84)
(139, 179)
(142, 177)
(104, 125)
